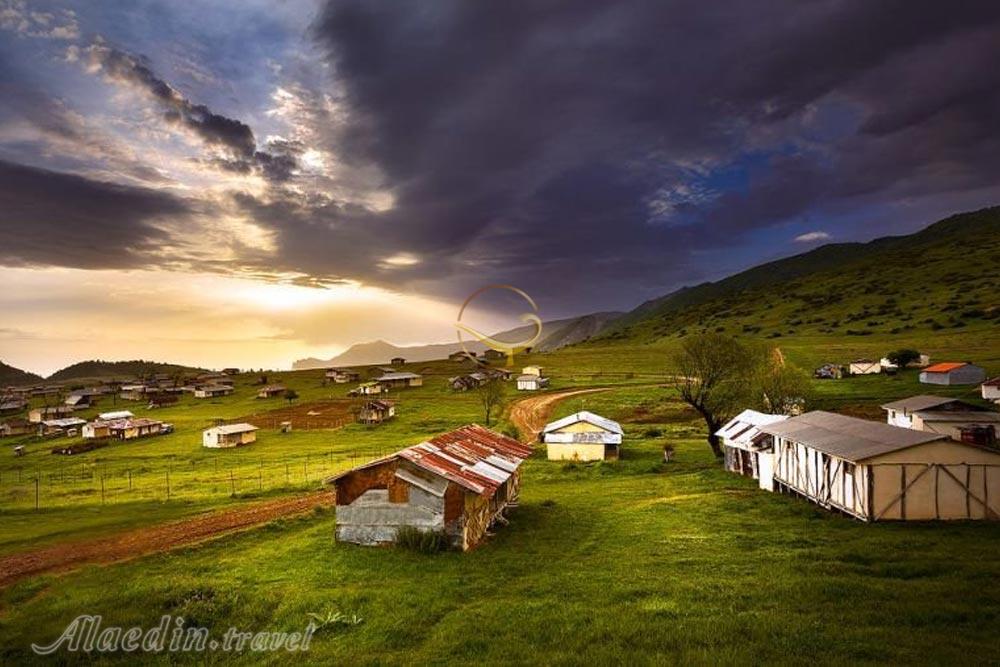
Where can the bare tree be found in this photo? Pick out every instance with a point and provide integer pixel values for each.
(714, 373)
(492, 394)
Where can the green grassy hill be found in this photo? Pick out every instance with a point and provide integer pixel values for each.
(15, 376)
(117, 369)
(945, 277)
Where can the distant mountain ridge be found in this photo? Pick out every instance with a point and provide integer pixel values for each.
(943, 276)
(555, 334)
(10, 376)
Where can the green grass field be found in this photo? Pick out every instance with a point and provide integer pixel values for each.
(635, 561)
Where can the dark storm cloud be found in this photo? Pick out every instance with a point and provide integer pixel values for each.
(233, 136)
(53, 219)
(587, 141)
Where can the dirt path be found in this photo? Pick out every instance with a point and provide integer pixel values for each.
(531, 414)
(154, 539)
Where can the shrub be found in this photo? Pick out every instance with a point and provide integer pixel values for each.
(422, 541)
(653, 433)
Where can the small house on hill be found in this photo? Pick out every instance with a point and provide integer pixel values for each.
(11, 406)
(212, 391)
(117, 414)
(952, 373)
(230, 371)
(271, 390)
(531, 383)
(493, 355)
(458, 482)
(583, 436)
(38, 415)
(397, 361)
(16, 426)
(460, 355)
(160, 400)
(376, 411)
(79, 401)
(368, 389)
(864, 367)
(342, 375)
(126, 428)
(746, 453)
(532, 370)
(991, 390)
(828, 372)
(231, 435)
(948, 416)
(874, 471)
(63, 425)
(400, 379)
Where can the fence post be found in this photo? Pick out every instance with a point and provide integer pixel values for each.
(102, 488)
(232, 483)
(260, 484)
(168, 483)
(129, 480)
(36, 493)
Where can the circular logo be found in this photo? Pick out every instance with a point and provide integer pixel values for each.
(508, 349)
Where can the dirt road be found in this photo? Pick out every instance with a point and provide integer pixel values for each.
(154, 539)
(531, 414)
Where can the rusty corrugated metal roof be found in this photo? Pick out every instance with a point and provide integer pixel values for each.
(476, 458)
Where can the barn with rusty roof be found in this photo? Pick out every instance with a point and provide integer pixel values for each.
(458, 482)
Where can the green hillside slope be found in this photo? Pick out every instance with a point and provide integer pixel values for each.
(10, 376)
(116, 369)
(944, 277)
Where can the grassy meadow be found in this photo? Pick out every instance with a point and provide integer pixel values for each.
(634, 561)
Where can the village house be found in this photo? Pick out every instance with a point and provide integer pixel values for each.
(230, 371)
(161, 400)
(127, 428)
(991, 390)
(531, 382)
(79, 401)
(745, 452)
(64, 425)
(12, 406)
(828, 372)
(459, 483)
(583, 436)
(38, 415)
(864, 367)
(231, 435)
(137, 392)
(463, 382)
(16, 426)
(397, 361)
(953, 373)
(532, 370)
(493, 355)
(400, 379)
(342, 375)
(874, 471)
(376, 411)
(271, 390)
(212, 391)
(368, 389)
(460, 355)
(116, 414)
(214, 378)
(957, 419)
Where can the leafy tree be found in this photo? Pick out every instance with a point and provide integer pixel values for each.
(777, 386)
(492, 394)
(902, 358)
(713, 379)
(291, 395)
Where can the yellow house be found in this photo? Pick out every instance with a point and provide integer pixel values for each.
(532, 370)
(582, 436)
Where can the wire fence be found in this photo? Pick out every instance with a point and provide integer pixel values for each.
(93, 484)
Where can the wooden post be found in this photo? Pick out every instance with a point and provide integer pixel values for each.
(36, 493)
(232, 482)
(260, 480)
(168, 483)
(129, 480)
(102, 489)
(968, 483)
(287, 475)
(902, 491)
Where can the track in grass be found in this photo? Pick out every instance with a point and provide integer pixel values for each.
(154, 539)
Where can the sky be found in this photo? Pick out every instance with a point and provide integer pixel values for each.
(245, 183)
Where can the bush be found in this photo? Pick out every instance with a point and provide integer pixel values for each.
(422, 541)
(653, 433)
